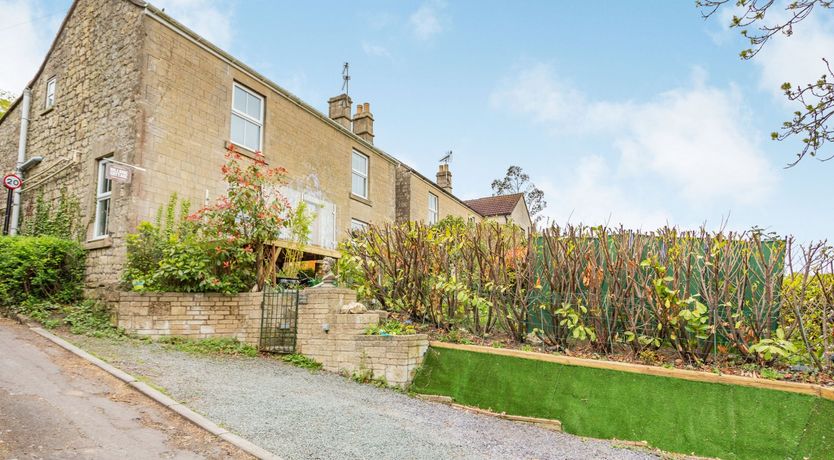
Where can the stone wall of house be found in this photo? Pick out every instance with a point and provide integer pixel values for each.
(335, 339)
(338, 340)
(195, 316)
(187, 95)
(95, 61)
(413, 199)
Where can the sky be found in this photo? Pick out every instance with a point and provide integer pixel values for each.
(635, 113)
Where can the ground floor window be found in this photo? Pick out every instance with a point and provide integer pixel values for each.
(104, 189)
(358, 225)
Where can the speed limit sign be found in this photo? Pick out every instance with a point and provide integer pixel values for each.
(12, 181)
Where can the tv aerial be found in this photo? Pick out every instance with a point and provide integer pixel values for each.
(346, 78)
(446, 158)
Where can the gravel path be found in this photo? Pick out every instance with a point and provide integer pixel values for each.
(299, 414)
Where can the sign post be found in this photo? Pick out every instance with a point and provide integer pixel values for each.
(11, 182)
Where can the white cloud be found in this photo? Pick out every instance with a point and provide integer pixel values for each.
(212, 19)
(593, 195)
(426, 21)
(688, 146)
(796, 58)
(375, 50)
(25, 36)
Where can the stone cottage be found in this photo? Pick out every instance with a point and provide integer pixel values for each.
(504, 209)
(125, 83)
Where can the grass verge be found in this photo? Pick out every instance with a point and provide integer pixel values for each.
(299, 360)
(675, 415)
(212, 346)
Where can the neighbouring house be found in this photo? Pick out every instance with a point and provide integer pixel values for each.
(504, 209)
(125, 83)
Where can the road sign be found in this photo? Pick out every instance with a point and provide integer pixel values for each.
(118, 172)
(12, 182)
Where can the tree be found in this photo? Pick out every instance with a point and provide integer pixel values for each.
(517, 181)
(6, 100)
(813, 118)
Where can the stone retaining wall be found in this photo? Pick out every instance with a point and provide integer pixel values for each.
(335, 339)
(195, 316)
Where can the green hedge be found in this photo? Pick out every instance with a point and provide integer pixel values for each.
(40, 268)
(675, 415)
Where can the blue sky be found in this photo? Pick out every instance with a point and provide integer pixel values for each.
(636, 112)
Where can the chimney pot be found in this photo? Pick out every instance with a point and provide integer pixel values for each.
(363, 122)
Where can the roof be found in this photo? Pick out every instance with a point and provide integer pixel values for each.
(501, 205)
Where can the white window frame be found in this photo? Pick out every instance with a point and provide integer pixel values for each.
(434, 214)
(356, 224)
(49, 100)
(245, 116)
(103, 199)
(363, 174)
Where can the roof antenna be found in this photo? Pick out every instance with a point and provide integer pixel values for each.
(446, 158)
(346, 78)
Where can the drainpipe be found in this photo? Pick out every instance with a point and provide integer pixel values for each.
(21, 156)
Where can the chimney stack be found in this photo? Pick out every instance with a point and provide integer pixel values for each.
(340, 109)
(444, 177)
(363, 122)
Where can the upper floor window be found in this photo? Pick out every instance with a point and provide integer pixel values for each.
(434, 211)
(104, 188)
(359, 166)
(247, 118)
(49, 101)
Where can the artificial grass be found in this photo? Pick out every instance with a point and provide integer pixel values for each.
(708, 419)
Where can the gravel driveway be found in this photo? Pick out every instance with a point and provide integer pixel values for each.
(299, 414)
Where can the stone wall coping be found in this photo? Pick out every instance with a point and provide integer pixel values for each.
(324, 290)
(393, 338)
(144, 294)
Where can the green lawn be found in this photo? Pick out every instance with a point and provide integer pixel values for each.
(675, 415)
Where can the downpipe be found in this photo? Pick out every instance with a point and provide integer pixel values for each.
(21, 157)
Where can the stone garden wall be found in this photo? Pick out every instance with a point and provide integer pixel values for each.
(335, 339)
(195, 316)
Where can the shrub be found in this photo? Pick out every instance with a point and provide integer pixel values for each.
(391, 327)
(62, 221)
(697, 293)
(223, 247)
(40, 268)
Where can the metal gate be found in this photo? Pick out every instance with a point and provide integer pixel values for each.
(279, 317)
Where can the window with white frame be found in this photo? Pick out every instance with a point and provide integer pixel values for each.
(247, 118)
(433, 209)
(49, 100)
(359, 166)
(104, 189)
(358, 225)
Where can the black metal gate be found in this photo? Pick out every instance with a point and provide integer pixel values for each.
(279, 317)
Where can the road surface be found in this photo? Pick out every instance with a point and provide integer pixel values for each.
(54, 405)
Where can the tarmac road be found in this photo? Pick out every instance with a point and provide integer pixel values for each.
(54, 405)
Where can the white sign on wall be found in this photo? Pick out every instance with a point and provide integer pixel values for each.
(118, 173)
